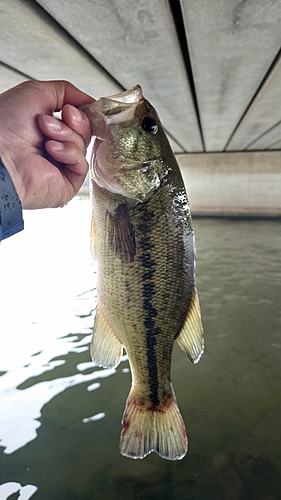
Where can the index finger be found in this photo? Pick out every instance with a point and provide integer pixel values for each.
(62, 92)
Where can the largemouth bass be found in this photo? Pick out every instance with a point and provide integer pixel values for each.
(143, 240)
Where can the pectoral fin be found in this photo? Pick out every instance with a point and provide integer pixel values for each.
(121, 233)
(190, 338)
(106, 349)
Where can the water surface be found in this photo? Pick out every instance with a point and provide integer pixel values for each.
(60, 416)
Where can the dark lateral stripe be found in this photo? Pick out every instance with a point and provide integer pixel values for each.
(145, 245)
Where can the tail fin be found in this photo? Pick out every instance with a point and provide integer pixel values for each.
(144, 431)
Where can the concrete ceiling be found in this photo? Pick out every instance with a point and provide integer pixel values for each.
(211, 68)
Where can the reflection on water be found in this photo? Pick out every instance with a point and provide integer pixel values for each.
(60, 415)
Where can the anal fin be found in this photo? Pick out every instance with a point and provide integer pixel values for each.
(106, 349)
(190, 338)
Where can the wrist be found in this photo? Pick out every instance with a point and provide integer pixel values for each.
(11, 220)
(10, 166)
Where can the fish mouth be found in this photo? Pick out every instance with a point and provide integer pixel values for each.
(132, 96)
(113, 110)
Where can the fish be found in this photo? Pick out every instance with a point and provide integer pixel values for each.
(142, 238)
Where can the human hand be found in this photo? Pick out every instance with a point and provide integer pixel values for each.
(44, 156)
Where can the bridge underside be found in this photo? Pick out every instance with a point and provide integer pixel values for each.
(211, 68)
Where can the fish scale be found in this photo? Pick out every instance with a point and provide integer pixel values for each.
(143, 241)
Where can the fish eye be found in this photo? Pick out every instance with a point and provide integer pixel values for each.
(149, 125)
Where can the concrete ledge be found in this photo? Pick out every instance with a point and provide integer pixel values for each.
(233, 184)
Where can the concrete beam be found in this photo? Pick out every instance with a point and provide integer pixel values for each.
(262, 115)
(233, 184)
(232, 44)
(34, 45)
(9, 78)
(137, 43)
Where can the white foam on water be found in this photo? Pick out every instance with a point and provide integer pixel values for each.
(25, 492)
(94, 418)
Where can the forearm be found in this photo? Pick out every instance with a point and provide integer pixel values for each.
(11, 221)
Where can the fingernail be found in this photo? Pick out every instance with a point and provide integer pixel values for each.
(52, 123)
(57, 146)
(76, 115)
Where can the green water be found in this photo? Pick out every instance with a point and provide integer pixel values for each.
(230, 401)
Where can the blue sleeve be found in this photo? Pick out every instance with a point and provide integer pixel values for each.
(11, 220)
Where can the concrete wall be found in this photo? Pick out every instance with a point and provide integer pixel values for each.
(236, 184)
